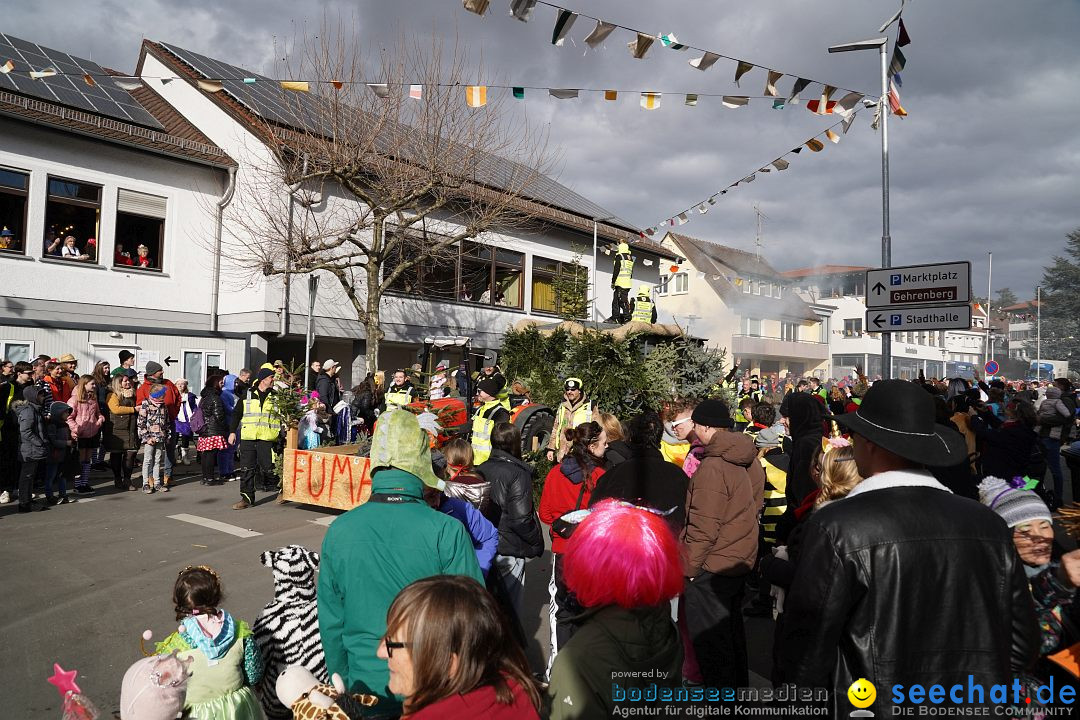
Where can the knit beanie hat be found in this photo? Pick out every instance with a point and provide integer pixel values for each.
(490, 386)
(1013, 500)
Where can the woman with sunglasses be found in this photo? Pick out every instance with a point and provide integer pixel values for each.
(1053, 580)
(450, 654)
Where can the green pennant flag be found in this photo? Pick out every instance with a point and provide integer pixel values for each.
(519, 93)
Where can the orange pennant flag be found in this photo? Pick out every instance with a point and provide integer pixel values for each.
(476, 95)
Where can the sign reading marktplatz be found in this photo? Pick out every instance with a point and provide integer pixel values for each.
(919, 285)
(939, 317)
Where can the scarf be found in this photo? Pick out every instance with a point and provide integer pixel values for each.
(214, 648)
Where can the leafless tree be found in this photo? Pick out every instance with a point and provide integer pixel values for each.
(367, 183)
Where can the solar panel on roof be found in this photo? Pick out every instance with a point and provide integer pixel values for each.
(68, 87)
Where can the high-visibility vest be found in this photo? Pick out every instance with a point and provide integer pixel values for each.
(400, 397)
(482, 426)
(626, 270)
(642, 310)
(256, 423)
(583, 413)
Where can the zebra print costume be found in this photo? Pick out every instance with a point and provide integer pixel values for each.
(287, 629)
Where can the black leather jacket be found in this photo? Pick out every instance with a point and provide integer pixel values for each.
(905, 585)
(512, 505)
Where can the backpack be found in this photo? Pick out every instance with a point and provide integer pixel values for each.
(197, 421)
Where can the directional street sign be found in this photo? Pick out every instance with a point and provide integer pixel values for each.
(919, 285)
(900, 319)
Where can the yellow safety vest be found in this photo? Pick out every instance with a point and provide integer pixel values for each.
(256, 423)
(482, 426)
(398, 397)
(581, 414)
(626, 270)
(642, 311)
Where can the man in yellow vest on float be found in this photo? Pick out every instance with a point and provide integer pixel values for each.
(401, 392)
(492, 411)
(574, 410)
(644, 310)
(621, 278)
(259, 432)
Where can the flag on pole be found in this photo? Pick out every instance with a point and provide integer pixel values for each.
(902, 37)
(898, 61)
(562, 93)
(599, 33)
(611, 94)
(705, 61)
(477, 6)
(741, 69)
(563, 23)
(815, 144)
(522, 9)
(213, 86)
(650, 100)
(7, 67)
(381, 90)
(640, 45)
(770, 83)
(691, 99)
(734, 101)
(780, 164)
(833, 137)
(519, 93)
(798, 87)
(38, 74)
(899, 80)
(476, 95)
(894, 101)
(416, 92)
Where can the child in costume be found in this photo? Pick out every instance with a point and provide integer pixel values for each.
(225, 657)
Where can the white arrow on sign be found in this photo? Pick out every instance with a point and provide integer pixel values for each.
(938, 317)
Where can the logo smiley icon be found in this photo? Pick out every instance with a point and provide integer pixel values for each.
(862, 693)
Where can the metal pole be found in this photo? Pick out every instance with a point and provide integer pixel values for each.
(989, 279)
(886, 240)
(594, 308)
(1038, 334)
(309, 336)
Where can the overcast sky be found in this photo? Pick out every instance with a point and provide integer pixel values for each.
(988, 159)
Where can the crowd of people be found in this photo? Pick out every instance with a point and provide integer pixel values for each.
(901, 531)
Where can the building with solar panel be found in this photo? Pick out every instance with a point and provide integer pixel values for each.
(203, 118)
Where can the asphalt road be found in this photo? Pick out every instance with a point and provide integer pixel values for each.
(85, 580)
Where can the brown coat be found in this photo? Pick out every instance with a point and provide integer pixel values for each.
(723, 502)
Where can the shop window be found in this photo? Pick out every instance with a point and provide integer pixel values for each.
(14, 186)
(72, 221)
(140, 231)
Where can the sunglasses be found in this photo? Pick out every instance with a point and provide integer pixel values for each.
(392, 646)
(677, 423)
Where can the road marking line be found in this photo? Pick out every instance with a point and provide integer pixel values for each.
(324, 520)
(215, 525)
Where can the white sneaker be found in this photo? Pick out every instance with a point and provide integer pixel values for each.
(5, 497)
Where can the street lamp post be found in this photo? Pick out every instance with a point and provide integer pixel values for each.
(593, 281)
(886, 239)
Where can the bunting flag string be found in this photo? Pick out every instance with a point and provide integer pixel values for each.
(523, 10)
(779, 164)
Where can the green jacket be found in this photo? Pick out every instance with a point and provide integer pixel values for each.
(368, 555)
(611, 644)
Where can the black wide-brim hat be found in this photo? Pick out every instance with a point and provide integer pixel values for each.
(900, 417)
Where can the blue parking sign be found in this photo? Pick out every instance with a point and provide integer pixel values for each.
(894, 320)
(894, 279)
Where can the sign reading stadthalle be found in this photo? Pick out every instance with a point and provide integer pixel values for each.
(899, 319)
(919, 285)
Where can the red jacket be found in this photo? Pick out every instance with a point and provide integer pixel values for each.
(172, 396)
(560, 496)
(61, 391)
(480, 703)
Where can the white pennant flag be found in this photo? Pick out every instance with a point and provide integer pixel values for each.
(682, 219)
(705, 61)
(846, 105)
(781, 164)
(734, 101)
(522, 9)
(599, 33)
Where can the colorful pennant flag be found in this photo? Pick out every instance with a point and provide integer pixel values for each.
(824, 107)
(640, 45)
(89, 80)
(476, 95)
(770, 83)
(562, 93)
(682, 219)
(846, 105)
(902, 37)
(211, 86)
(477, 6)
(778, 104)
(7, 67)
(650, 100)
(814, 106)
(798, 87)
(898, 61)
(705, 61)
(848, 120)
(38, 74)
(899, 80)
(691, 99)
(522, 9)
(250, 80)
(833, 137)
(337, 84)
(599, 33)
(563, 23)
(815, 144)
(796, 150)
(780, 164)
(712, 200)
(300, 86)
(670, 41)
(519, 93)
(381, 90)
(894, 101)
(611, 94)
(416, 92)
(748, 179)
(764, 169)
(734, 101)
(741, 69)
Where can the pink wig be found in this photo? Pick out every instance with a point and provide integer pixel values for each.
(622, 555)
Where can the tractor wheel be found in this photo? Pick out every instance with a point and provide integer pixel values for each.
(535, 425)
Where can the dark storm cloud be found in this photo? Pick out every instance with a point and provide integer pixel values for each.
(987, 159)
